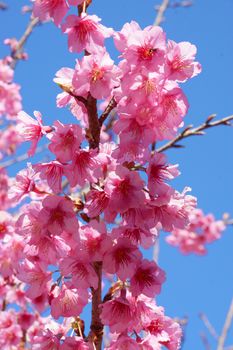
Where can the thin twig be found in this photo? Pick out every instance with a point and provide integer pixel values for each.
(161, 10)
(226, 327)
(111, 105)
(208, 325)
(190, 131)
(16, 53)
(205, 341)
(21, 158)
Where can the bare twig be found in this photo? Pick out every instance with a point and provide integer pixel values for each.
(208, 325)
(160, 13)
(190, 131)
(205, 341)
(21, 158)
(16, 53)
(226, 327)
(112, 104)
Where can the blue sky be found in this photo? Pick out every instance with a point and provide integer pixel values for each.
(194, 284)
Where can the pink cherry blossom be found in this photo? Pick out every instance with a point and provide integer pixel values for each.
(117, 313)
(147, 279)
(65, 140)
(180, 59)
(31, 129)
(124, 342)
(95, 74)
(54, 9)
(52, 172)
(121, 259)
(58, 215)
(68, 302)
(85, 33)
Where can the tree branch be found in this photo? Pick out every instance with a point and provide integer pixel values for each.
(16, 53)
(226, 327)
(160, 13)
(190, 131)
(112, 104)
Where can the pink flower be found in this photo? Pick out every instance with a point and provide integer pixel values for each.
(75, 2)
(167, 332)
(146, 47)
(158, 172)
(84, 167)
(96, 202)
(125, 190)
(95, 74)
(10, 100)
(147, 279)
(52, 172)
(54, 9)
(65, 140)
(76, 343)
(35, 275)
(180, 60)
(68, 302)
(94, 240)
(78, 266)
(24, 184)
(201, 230)
(124, 342)
(31, 129)
(85, 33)
(117, 314)
(121, 259)
(58, 215)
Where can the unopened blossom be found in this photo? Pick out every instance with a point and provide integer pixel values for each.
(58, 215)
(68, 302)
(121, 259)
(96, 74)
(65, 140)
(6, 72)
(85, 33)
(148, 279)
(50, 9)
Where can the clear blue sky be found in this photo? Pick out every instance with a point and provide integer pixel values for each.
(194, 284)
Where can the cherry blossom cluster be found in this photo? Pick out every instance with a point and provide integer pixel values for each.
(81, 221)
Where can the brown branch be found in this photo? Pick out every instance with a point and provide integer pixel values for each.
(16, 53)
(160, 13)
(96, 333)
(190, 131)
(93, 132)
(205, 341)
(226, 327)
(111, 105)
